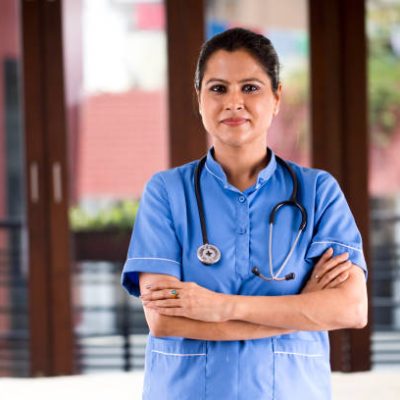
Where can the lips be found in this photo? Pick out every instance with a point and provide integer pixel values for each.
(234, 121)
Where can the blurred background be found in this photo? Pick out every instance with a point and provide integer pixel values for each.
(88, 97)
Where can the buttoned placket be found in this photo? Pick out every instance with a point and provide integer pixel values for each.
(242, 231)
(242, 240)
(243, 202)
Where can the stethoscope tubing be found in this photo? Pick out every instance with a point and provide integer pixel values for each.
(209, 254)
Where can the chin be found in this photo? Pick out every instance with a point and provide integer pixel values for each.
(235, 142)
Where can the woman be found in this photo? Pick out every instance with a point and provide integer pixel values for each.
(221, 328)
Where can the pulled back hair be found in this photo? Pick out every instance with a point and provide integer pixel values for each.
(233, 39)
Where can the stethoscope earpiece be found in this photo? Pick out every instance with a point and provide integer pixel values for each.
(209, 254)
(290, 276)
(287, 277)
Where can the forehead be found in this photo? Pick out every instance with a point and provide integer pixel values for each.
(233, 64)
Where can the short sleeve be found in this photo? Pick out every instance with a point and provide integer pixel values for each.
(334, 224)
(154, 246)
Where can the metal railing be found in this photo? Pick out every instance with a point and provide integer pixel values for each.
(385, 259)
(14, 332)
(110, 328)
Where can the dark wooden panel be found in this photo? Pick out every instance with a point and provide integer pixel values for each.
(339, 131)
(39, 296)
(326, 90)
(49, 244)
(185, 32)
(356, 150)
(56, 146)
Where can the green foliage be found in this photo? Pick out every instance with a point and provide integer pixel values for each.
(120, 216)
(383, 75)
(384, 94)
(298, 86)
(383, 72)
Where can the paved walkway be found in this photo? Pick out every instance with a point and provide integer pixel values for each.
(381, 384)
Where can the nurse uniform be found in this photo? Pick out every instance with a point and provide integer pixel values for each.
(165, 239)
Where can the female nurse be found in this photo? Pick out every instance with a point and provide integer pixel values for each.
(231, 326)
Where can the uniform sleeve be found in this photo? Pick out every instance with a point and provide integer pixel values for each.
(334, 224)
(154, 246)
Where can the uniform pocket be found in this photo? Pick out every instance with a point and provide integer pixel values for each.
(301, 370)
(177, 369)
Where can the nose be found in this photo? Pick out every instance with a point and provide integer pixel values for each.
(234, 101)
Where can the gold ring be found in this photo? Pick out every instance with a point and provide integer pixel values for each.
(174, 293)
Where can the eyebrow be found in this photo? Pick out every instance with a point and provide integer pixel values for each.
(241, 81)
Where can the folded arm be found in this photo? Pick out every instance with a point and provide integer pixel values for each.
(164, 325)
(345, 306)
(336, 305)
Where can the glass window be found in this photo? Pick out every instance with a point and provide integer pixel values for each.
(14, 322)
(115, 64)
(383, 31)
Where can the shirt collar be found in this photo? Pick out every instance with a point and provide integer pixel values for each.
(214, 168)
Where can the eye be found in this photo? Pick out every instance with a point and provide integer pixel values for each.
(250, 88)
(218, 89)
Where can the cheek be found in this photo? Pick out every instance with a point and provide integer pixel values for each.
(209, 108)
(262, 113)
(264, 109)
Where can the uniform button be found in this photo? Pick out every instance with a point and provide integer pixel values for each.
(242, 199)
(242, 230)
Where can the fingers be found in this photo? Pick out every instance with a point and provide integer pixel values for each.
(326, 256)
(317, 272)
(334, 273)
(162, 303)
(338, 280)
(164, 285)
(162, 290)
(159, 294)
(327, 262)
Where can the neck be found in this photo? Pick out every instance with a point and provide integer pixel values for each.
(241, 164)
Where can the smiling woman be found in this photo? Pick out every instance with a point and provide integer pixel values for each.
(237, 93)
(213, 322)
(237, 103)
(237, 86)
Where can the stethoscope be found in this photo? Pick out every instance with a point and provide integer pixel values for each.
(210, 254)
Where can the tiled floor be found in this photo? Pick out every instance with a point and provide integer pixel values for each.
(381, 384)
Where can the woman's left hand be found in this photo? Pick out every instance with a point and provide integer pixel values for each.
(186, 299)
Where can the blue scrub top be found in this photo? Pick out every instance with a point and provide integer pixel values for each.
(165, 239)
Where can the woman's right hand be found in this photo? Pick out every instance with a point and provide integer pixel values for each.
(328, 272)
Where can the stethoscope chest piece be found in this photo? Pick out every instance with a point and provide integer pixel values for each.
(208, 254)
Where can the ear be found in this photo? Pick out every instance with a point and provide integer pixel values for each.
(278, 95)
(198, 100)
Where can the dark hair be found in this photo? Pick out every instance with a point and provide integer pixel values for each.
(233, 39)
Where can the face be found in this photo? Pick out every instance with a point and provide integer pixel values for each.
(236, 101)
